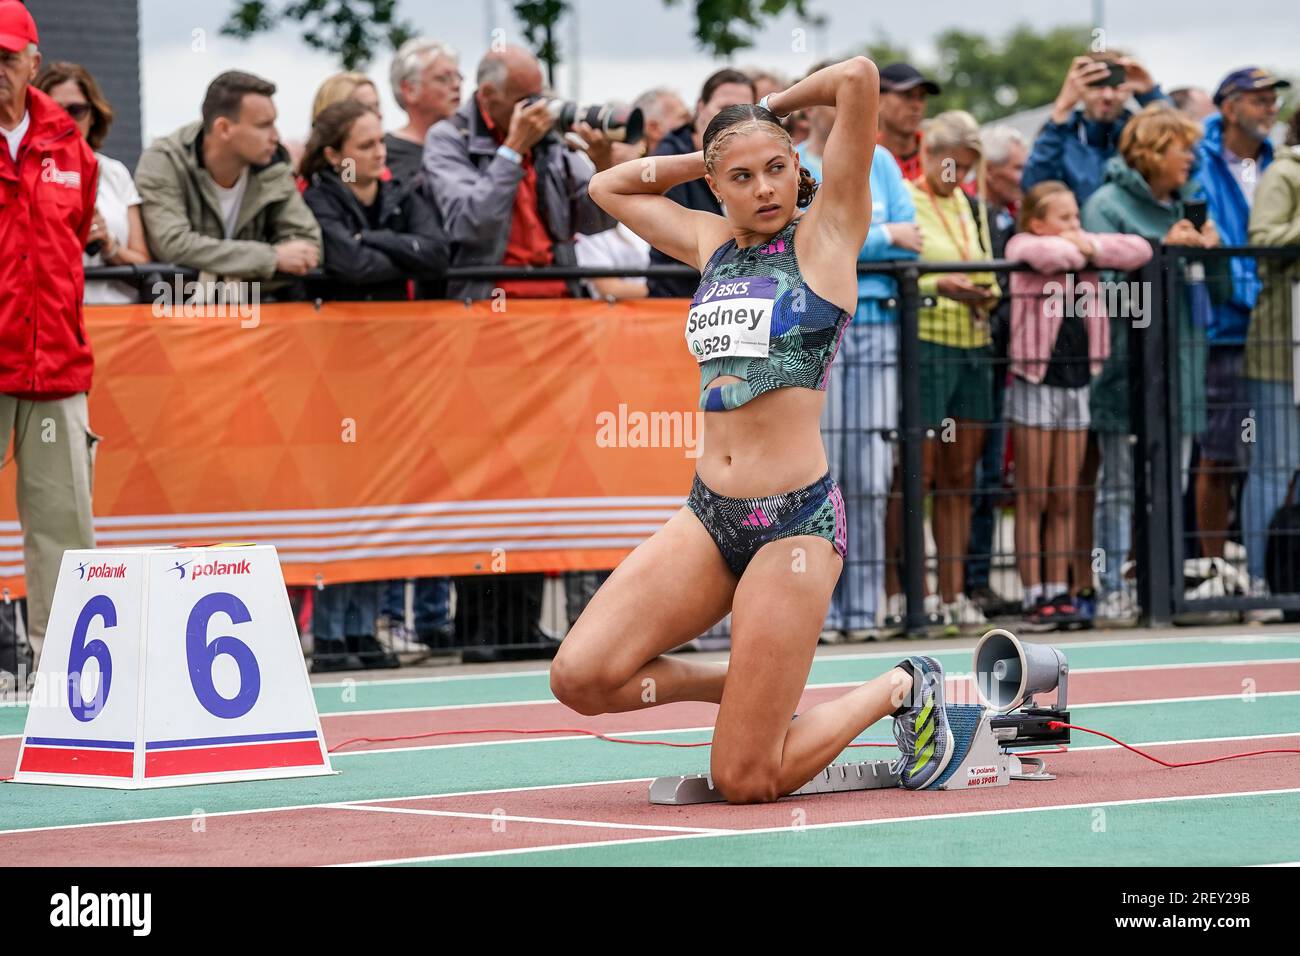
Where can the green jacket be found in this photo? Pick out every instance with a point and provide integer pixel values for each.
(182, 214)
(1124, 203)
(1274, 221)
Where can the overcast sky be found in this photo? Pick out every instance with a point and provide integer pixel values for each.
(626, 46)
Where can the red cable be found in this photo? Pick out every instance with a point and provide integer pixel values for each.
(1053, 725)
(1058, 725)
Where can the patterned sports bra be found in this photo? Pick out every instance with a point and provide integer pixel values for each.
(754, 317)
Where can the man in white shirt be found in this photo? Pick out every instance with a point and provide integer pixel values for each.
(219, 194)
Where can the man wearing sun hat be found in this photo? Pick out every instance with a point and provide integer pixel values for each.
(1232, 156)
(48, 180)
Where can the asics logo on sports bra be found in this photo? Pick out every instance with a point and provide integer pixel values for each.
(726, 289)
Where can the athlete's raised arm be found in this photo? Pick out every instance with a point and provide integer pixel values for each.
(842, 206)
(633, 193)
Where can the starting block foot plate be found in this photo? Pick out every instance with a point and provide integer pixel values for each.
(837, 778)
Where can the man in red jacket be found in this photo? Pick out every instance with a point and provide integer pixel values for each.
(48, 179)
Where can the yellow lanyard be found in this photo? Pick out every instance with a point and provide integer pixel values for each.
(964, 246)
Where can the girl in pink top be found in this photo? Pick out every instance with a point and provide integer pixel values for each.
(1059, 340)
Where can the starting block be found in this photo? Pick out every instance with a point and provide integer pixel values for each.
(837, 778)
(980, 759)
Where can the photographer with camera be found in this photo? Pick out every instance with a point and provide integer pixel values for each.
(1075, 144)
(512, 193)
(48, 179)
(509, 189)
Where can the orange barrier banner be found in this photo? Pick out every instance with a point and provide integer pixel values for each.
(388, 440)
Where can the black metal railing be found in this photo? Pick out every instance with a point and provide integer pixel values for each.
(1114, 517)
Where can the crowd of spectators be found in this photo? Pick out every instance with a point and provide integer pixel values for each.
(485, 178)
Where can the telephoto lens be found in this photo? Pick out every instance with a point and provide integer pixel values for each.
(623, 124)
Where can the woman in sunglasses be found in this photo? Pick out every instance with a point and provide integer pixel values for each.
(117, 236)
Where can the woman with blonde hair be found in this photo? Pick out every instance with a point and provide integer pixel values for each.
(1147, 188)
(346, 86)
(956, 357)
(335, 89)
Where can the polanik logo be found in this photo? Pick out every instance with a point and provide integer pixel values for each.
(180, 567)
(89, 572)
(219, 569)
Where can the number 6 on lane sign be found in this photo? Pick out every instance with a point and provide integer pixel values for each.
(169, 666)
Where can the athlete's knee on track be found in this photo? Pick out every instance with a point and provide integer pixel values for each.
(582, 683)
(746, 780)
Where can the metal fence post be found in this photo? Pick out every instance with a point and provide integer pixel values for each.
(912, 439)
(1150, 420)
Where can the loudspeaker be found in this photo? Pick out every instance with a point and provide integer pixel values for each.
(1008, 672)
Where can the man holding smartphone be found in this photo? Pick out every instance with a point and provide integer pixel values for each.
(1233, 155)
(1075, 144)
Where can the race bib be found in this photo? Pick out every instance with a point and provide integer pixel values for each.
(731, 317)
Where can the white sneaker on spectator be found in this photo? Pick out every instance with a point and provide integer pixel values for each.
(961, 614)
(1258, 588)
(896, 606)
(934, 605)
(1116, 606)
(831, 636)
(402, 641)
(1234, 552)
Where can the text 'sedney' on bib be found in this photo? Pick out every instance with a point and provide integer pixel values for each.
(731, 317)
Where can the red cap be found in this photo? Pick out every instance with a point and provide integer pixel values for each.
(17, 28)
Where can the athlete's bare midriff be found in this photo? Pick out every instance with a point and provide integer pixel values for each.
(770, 445)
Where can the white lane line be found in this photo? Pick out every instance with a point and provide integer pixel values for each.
(843, 824)
(605, 825)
